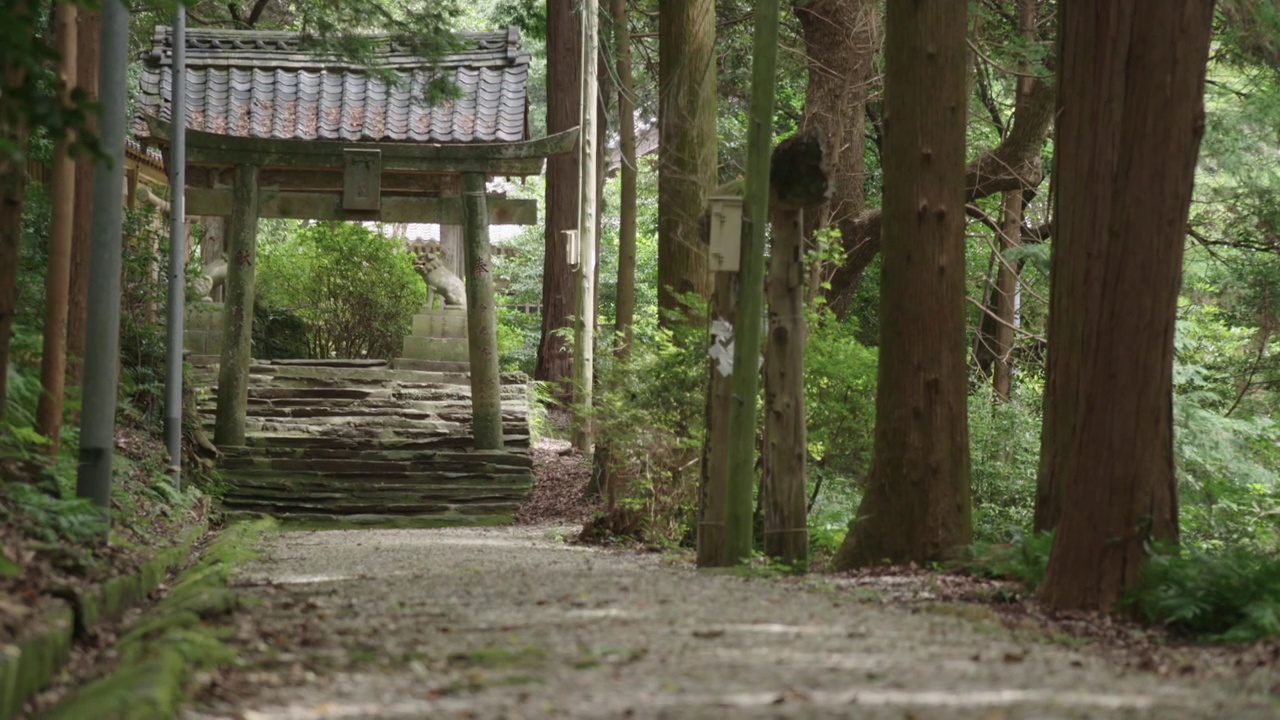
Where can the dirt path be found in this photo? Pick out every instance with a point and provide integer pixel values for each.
(513, 623)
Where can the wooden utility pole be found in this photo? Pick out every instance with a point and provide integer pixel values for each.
(237, 341)
(746, 332)
(584, 335)
(482, 318)
(53, 359)
(714, 493)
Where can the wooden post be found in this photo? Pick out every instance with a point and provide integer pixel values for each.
(786, 532)
(585, 296)
(237, 336)
(714, 493)
(482, 317)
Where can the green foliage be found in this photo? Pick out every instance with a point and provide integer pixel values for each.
(650, 413)
(1004, 451)
(1232, 595)
(839, 389)
(1025, 559)
(355, 289)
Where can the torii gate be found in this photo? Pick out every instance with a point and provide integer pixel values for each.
(277, 132)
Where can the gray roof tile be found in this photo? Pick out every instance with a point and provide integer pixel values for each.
(269, 84)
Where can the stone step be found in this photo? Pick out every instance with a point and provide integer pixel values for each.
(339, 506)
(307, 445)
(441, 460)
(423, 469)
(430, 365)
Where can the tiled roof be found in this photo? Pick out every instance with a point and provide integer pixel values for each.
(269, 85)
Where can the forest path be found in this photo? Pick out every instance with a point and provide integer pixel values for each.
(513, 623)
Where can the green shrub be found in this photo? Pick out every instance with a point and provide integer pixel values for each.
(650, 413)
(840, 398)
(1004, 451)
(355, 289)
(1232, 596)
(1025, 560)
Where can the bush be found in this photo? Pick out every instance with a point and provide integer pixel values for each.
(354, 289)
(1232, 596)
(1025, 560)
(650, 414)
(1004, 451)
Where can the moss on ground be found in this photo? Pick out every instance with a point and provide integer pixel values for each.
(160, 652)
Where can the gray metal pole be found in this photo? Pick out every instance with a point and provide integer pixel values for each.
(102, 343)
(177, 247)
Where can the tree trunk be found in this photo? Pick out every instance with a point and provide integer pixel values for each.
(916, 506)
(1129, 127)
(1005, 290)
(786, 532)
(88, 38)
(53, 358)
(686, 145)
(841, 38)
(13, 186)
(626, 300)
(564, 95)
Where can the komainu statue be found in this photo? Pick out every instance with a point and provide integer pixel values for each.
(201, 287)
(428, 260)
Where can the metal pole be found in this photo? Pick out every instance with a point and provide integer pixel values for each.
(584, 338)
(177, 247)
(102, 343)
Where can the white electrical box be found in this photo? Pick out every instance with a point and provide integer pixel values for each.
(573, 251)
(726, 233)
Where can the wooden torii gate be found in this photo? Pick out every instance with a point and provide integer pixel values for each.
(286, 154)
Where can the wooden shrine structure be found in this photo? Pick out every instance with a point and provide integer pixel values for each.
(278, 129)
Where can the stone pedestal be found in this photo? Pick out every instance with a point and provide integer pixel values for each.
(438, 335)
(202, 330)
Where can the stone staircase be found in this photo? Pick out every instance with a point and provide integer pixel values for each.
(362, 443)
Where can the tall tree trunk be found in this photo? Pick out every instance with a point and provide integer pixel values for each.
(916, 506)
(626, 301)
(840, 37)
(564, 95)
(1004, 295)
(686, 145)
(88, 38)
(1129, 125)
(53, 357)
(13, 186)
(1006, 289)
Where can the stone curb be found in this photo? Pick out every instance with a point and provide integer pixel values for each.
(159, 652)
(28, 665)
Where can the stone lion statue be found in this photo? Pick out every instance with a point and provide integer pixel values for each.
(201, 287)
(428, 260)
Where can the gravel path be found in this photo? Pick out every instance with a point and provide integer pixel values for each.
(513, 623)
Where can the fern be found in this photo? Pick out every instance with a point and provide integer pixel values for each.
(1232, 596)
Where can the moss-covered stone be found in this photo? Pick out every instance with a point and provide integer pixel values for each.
(28, 665)
(158, 653)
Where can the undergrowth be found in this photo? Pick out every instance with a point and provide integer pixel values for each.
(1232, 595)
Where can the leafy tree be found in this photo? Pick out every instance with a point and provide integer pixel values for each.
(355, 288)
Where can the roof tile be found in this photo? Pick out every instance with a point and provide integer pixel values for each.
(269, 84)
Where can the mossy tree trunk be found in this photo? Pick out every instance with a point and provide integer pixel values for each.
(916, 506)
(1130, 121)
